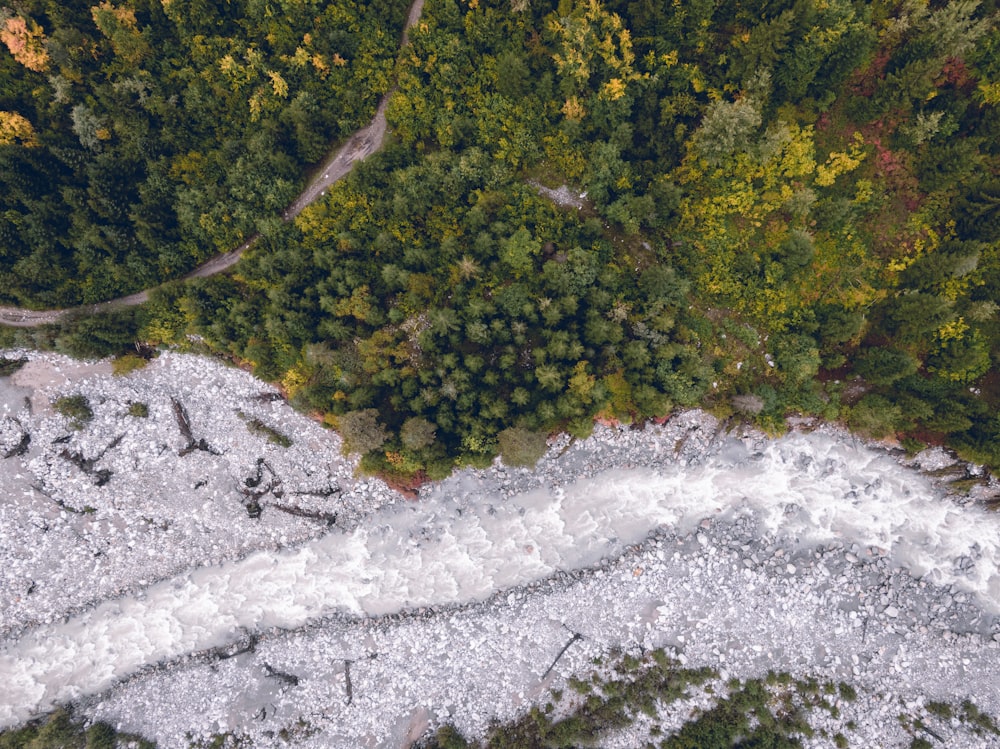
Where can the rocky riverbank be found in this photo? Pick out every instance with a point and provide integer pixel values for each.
(172, 497)
(812, 554)
(378, 682)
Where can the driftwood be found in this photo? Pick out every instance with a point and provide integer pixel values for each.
(252, 482)
(576, 637)
(253, 488)
(183, 421)
(290, 679)
(923, 727)
(254, 508)
(101, 476)
(348, 684)
(330, 518)
(267, 397)
(328, 491)
(20, 448)
(348, 687)
(246, 645)
(184, 425)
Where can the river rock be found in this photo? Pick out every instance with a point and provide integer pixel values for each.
(13, 437)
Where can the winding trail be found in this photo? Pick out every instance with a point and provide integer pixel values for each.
(359, 146)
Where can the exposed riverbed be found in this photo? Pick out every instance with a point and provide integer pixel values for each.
(811, 553)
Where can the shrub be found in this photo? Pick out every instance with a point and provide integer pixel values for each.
(874, 416)
(448, 737)
(122, 365)
(847, 691)
(139, 410)
(417, 433)
(76, 408)
(101, 736)
(883, 366)
(973, 715)
(361, 431)
(521, 447)
(10, 366)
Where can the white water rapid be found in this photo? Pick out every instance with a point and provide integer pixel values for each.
(464, 541)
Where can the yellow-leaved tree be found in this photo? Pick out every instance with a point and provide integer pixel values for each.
(119, 25)
(26, 41)
(594, 56)
(746, 214)
(16, 128)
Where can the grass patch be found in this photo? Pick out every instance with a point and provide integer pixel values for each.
(981, 722)
(259, 428)
(138, 410)
(964, 486)
(126, 363)
(76, 408)
(940, 710)
(60, 731)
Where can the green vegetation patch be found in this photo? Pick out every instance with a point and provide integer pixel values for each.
(607, 704)
(61, 731)
(521, 447)
(140, 138)
(10, 366)
(76, 408)
(259, 428)
(447, 336)
(123, 365)
(138, 410)
(787, 210)
(772, 712)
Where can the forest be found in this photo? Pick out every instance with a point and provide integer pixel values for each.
(140, 138)
(786, 206)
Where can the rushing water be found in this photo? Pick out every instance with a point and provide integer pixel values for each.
(464, 542)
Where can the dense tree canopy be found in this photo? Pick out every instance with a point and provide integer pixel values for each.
(785, 206)
(140, 137)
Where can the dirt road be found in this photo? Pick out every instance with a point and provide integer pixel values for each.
(359, 146)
